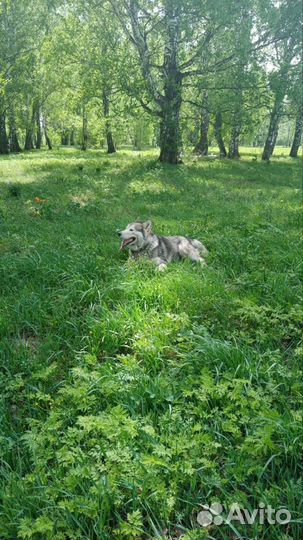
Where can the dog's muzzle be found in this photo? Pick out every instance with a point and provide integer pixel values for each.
(127, 242)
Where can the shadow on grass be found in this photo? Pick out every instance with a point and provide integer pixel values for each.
(93, 186)
(127, 166)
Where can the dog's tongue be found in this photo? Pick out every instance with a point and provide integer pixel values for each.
(125, 243)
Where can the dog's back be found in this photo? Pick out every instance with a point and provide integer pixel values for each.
(171, 248)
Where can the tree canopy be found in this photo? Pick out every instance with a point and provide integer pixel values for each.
(176, 73)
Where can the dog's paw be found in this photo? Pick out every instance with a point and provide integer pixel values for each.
(162, 267)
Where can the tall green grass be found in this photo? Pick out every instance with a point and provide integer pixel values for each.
(131, 398)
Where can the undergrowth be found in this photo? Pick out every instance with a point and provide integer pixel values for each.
(131, 398)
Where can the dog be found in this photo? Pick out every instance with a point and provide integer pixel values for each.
(139, 239)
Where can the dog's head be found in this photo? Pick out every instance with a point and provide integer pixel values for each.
(135, 235)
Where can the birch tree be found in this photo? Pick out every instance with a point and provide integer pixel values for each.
(285, 58)
(170, 39)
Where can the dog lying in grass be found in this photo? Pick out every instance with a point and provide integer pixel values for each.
(139, 239)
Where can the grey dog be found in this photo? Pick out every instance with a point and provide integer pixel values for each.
(139, 238)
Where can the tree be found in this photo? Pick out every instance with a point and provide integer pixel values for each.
(108, 132)
(218, 134)
(295, 95)
(79, 71)
(170, 39)
(21, 29)
(297, 135)
(285, 58)
(239, 75)
(279, 87)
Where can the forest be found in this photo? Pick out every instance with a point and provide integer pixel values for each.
(177, 74)
(137, 404)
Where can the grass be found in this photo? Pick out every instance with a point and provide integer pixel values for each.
(129, 397)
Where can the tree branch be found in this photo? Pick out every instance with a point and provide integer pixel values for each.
(139, 40)
(148, 109)
(213, 67)
(208, 36)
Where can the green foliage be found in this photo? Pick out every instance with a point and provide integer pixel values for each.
(129, 398)
(14, 190)
(72, 71)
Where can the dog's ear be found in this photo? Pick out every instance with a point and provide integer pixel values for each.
(147, 225)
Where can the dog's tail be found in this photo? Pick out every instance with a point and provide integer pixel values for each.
(200, 247)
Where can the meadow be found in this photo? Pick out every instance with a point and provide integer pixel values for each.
(129, 397)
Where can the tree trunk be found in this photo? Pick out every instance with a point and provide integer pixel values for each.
(84, 138)
(29, 139)
(218, 135)
(233, 151)
(168, 102)
(4, 146)
(38, 127)
(297, 136)
(110, 141)
(170, 141)
(72, 137)
(46, 135)
(29, 133)
(65, 137)
(170, 133)
(272, 131)
(137, 142)
(108, 133)
(48, 141)
(201, 147)
(14, 145)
